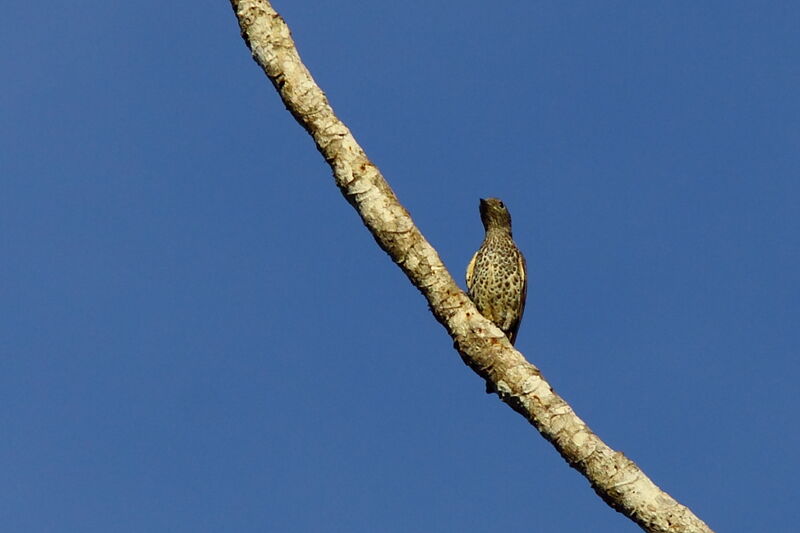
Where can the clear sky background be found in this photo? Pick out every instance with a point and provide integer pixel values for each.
(197, 334)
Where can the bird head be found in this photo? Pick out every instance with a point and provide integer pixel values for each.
(494, 214)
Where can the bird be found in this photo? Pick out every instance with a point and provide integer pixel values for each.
(497, 278)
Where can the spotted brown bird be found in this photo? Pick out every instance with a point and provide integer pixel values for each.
(497, 278)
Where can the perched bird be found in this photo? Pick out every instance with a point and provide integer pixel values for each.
(497, 278)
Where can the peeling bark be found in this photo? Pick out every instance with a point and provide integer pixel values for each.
(482, 346)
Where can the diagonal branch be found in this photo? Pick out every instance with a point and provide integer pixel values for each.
(482, 346)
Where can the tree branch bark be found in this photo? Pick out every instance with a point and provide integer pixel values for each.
(482, 346)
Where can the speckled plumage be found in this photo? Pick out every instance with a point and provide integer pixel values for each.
(497, 278)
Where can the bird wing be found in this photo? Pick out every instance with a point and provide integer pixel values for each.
(523, 267)
(470, 268)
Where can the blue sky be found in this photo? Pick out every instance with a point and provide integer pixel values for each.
(197, 334)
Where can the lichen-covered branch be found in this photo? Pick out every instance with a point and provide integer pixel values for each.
(481, 345)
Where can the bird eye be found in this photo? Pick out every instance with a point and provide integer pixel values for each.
(502, 205)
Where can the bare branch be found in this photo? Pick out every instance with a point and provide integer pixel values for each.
(482, 346)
